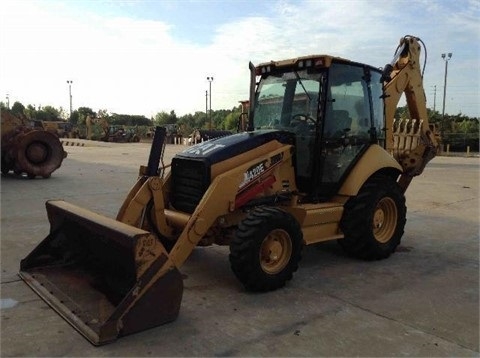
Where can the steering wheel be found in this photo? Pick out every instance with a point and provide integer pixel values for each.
(306, 116)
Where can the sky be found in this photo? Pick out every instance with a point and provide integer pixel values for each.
(144, 57)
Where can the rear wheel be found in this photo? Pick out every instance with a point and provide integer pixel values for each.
(373, 221)
(266, 249)
(39, 153)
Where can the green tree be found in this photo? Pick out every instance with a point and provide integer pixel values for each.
(18, 109)
(434, 116)
(129, 120)
(231, 121)
(75, 118)
(403, 113)
(163, 117)
(188, 122)
(30, 111)
(467, 125)
(103, 113)
(48, 113)
(81, 115)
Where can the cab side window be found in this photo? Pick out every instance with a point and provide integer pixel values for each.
(349, 112)
(347, 124)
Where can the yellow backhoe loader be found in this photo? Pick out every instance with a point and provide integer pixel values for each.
(322, 159)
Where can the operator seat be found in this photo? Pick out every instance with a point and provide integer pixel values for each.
(336, 123)
(342, 121)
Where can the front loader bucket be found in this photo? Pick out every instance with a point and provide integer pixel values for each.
(106, 278)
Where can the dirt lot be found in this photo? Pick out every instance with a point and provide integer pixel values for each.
(422, 301)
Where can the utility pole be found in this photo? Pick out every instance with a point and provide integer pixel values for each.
(210, 79)
(8, 101)
(70, 95)
(206, 106)
(434, 97)
(446, 58)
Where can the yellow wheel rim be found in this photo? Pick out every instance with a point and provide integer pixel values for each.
(384, 220)
(275, 251)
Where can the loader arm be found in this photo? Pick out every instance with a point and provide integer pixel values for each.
(223, 197)
(104, 276)
(213, 204)
(411, 142)
(135, 206)
(149, 188)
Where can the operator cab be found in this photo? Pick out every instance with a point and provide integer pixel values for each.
(333, 106)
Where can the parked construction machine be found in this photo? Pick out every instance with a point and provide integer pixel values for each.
(61, 129)
(27, 149)
(322, 159)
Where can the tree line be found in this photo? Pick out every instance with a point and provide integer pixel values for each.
(222, 119)
(457, 130)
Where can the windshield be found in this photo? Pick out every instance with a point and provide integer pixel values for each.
(287, 97)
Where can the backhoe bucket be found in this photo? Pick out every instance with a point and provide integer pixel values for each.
(106, 278)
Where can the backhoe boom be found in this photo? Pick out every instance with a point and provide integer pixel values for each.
(411, 142)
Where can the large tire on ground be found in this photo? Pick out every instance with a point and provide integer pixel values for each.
(39, 153)
(373, 221)
(266, 249)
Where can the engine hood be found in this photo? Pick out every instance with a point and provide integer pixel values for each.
(220, 149)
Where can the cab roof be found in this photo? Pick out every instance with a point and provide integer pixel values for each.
(311, 61)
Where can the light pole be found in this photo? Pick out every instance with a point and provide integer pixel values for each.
(70, 95)
(8, 101)
(206, 105)
(446, 58)
(210, 79)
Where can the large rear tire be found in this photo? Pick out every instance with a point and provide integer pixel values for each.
(373, 221)
(266, 249)
(39, 153)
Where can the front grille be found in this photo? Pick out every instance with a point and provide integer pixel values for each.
(190, 180)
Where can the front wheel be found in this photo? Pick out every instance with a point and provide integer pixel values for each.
(373, 221)
(266, 249)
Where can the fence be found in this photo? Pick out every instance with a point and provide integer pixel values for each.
(460, 143)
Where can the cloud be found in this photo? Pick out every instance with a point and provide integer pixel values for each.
(129, 64)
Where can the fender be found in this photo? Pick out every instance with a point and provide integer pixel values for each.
(375, 159)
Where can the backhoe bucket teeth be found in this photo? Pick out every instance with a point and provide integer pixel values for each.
(106, 278)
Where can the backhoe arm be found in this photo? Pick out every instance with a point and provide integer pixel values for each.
(410, 141)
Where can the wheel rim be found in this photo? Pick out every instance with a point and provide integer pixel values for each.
(384, 220)
(275, 251)
(37, 152)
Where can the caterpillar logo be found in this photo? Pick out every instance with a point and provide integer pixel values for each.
(204, 148)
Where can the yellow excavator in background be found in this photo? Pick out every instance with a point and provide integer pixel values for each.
(111, 133)
(322, 159)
